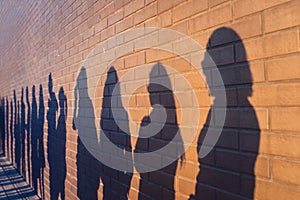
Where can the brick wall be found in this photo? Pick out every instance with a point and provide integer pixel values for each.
(255, 45)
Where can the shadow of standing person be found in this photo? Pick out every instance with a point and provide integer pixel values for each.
(37, 142)
(57, 142)
(116, 184)
(227, 172)
(2, 126)
(88, 168)
(11, 125)
(7, 128)
(28, 135)
(159, 184)
(51, 140)
(22, 136)
(61, 167)
(34, 142)
(40, 142)
(17, 134)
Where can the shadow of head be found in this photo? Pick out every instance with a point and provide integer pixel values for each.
(160, 87)
(225, 62)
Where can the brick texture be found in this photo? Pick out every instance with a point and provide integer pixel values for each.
(255, 46)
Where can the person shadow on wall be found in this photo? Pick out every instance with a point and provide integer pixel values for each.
(28, 136)
(17, 134)
(37, 142)
(56, 145)
(23, 129)
(88, 168)
(116, 184)
(159, 184)
(227, 172)
(2, 126)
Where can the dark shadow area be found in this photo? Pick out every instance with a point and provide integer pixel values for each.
(88, 168)
(11, 125)
(2, 126)
(12, 184)
(116, 184)
(37, 142)
(56, 144)
(17, 134)
(22, 121)
(227, 172)
(22, 136)
(28, 137)
(159, 184)
(7, 129)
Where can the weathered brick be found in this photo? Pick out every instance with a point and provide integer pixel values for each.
(267, 190)
(145, 13)
(286, 68)
(281, 174)
(283, 16)
(285, 119)
(212, 18)
(190, 8)
(272, 45)
(246, 7)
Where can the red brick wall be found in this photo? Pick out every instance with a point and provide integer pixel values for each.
(258, 56)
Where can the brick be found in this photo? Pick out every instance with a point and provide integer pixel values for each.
(117, 16)
(121, 3)
(286, 68)
(106, 33)
(213, 3)
(154, 55)
(162, 20)
(271, 45)
(190, 8)
(285, 119)
(124, 24)
(240, 74)
(212, 18)
(245, 118)
(185, 186)
(283, 16)
(284, 145)
(133, 6)
(246, 7)
(182, 27)
(267, 190)
(249, 26)
(286, 171)
(243, 163)
(134, 60)
(107, 10)
(272, 95)
(222, 55)
(101, 25)
(145, 13)
(220, 179)
(165, 5)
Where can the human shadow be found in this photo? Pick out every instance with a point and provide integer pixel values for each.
(159, 184)
(7, 128)
(37, 142)
(11, 125)
(28, 136)
(88, 168)
(56, 143)
(116, 183)
(17, 136)
(2, 126)
(22, 136)
(227, 172)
